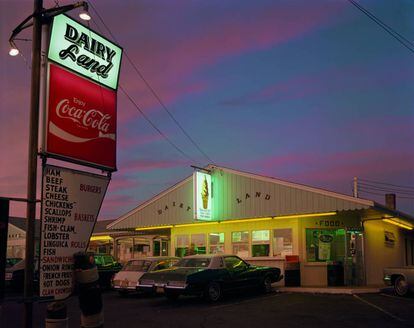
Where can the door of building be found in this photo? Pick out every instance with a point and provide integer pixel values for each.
(160, 247)
(354, 270)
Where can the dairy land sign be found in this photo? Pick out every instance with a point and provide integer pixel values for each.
(80, 123)
(71, 201)
(76, 47)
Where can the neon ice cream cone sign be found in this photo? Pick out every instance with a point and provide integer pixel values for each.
(202, 196)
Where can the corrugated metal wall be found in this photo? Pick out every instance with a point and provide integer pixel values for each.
(235, 196)
(238, 196)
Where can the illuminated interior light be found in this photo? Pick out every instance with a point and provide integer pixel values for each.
(154, 228)
(195, 224)
(246, 220)
(101, 238)
(401, 225)
(305, 215)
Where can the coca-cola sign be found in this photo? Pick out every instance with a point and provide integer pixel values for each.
(81, 120)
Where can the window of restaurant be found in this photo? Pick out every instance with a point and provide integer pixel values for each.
(182, 245)
(141, 248)
(198, 244)
(282, 242)
(240, 243)
(216, 242)
(260, 243)
(124, 249)
(325, 245)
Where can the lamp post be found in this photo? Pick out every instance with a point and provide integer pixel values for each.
(39, 17)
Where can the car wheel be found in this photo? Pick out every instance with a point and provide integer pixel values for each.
(213, 292)
(171, 296)
(267, 284)
(401, 286)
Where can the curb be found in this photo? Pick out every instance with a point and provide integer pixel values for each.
(324, 290)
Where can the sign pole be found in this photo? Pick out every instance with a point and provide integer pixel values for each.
(4, 221)
(32, 163)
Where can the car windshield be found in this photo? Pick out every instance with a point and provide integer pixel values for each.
(137, 265)
(193, 263)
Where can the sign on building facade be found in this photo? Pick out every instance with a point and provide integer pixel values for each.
(202, 196)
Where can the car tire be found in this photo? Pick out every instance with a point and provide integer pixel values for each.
(171, 296)
(267, 284)
(213, 292)
(401, 286)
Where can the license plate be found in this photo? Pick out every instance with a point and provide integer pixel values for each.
(159, 290)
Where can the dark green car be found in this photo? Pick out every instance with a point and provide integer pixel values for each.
(209, 276)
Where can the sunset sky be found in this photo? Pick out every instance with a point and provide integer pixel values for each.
(312, 92)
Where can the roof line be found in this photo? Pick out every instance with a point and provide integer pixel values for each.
(149, 201)
(322, 191)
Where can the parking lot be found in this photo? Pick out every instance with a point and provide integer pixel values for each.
(248, 310)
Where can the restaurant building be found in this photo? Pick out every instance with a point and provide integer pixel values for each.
(317, 237)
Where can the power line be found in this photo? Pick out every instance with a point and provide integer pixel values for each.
(378, 194)
(386, 184)
(154, 93)
(153, 125)
(400, 38)
(386, 190)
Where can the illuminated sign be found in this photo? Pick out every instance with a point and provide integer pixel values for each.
(71, 201)
(202, 196)
(80, 49)
(80, 120)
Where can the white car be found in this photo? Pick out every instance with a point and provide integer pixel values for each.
(126, 280)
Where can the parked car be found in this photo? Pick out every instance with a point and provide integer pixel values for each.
(15, 276)
(209, 276)
(126, 280)
(402, 278)
(107, 268)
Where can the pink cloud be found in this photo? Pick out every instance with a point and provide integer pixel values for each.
(141, 165)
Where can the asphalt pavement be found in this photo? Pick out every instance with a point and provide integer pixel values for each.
(238, 310)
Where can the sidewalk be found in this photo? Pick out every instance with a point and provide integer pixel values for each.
(332, 290)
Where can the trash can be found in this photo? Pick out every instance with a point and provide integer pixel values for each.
(335, 274)
(292, 271)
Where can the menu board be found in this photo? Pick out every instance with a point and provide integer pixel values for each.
(71, 201)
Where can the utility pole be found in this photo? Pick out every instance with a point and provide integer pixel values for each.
(32, 163)
(355, 187)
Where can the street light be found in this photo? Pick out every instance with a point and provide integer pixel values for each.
(39, 17)
(13, 51)
(84, 14)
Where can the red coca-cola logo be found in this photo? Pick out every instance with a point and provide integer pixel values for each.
(92, 118)
(81, 119)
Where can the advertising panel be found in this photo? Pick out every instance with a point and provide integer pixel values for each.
(202, 196)
(71, 201)
(78, 48)
(80, 120)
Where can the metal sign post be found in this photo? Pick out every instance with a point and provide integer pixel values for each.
(4, 222)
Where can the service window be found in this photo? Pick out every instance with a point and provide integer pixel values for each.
(282, 242)
(325, 245)
(216, 242)
(182, 245)
(198, 244)
(260, 243)
(240, 243)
